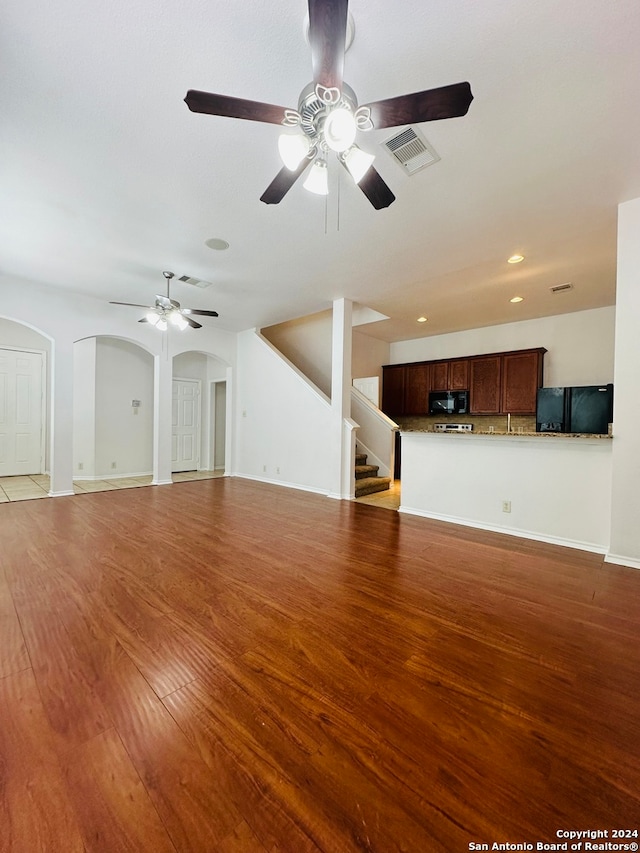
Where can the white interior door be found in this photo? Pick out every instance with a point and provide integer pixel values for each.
(21, 401)
(185, 431)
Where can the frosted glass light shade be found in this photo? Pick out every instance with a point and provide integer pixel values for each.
(358, 162)
(318, 181)
(293, 148)
(161, 324)
(340, 129)
(152, 317)
(178, 320)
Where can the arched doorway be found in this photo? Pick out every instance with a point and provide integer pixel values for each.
(199, 414)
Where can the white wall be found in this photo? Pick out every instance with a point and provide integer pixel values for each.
(306, 342)
(580, 346)
(283, 423)
(368, 356)
(84, 408)
(559, 488)
(124, 434)
(625, 488)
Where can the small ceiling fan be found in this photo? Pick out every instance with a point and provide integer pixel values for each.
(167, 310)
(328, 116)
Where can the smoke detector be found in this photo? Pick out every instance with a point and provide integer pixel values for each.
(409, 148)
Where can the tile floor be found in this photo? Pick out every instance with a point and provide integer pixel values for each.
(389, 499)
(37, 485)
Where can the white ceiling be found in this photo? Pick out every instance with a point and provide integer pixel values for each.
(107, 178)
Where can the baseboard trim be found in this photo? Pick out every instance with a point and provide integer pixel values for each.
(64, 494)
(509, 531)
(618, 560)
(161, 483)
(95, 477)
(286, 485)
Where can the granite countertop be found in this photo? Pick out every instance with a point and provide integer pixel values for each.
(514, 434)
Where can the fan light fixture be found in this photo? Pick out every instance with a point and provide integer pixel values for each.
(358, 162)
(318, 181)
(293, 148)
(340, 129)
(176, 319)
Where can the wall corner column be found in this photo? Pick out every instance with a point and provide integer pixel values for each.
(624, 545)
(162, 421)
(343, 428)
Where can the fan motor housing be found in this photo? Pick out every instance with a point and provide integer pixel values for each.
(313, 111)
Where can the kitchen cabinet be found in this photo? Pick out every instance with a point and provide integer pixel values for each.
(521, 378)
(459, 375)
(417, 384)
(440, 376)
(393, 381)
(484, 385)
(498, 383)
(450, 375)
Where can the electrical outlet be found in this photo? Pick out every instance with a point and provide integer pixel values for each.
(277, 470)
(264, 469)
(113, 465)
(506, 506)
(80, 466)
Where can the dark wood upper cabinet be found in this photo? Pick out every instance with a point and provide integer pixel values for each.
(439, 375)
(459, 375)
(484, 385)
(393, 381)
(417, 384)
(521, 378)
(503, 382)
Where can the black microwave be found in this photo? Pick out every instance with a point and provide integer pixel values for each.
(448, 402)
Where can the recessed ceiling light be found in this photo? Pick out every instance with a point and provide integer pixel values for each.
(517, 299)
(217, 243)
(422, 319)
(515, 259)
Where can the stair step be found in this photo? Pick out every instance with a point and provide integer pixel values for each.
(363, 471)
(361, 458)
(370, 485)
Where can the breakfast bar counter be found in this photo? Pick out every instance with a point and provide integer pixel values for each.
(547, 486)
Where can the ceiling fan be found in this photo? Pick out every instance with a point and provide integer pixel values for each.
(328, 116)
(167, 310)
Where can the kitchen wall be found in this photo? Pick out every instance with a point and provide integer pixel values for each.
(580, 346)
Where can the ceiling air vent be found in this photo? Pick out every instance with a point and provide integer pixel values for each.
(411, 150)
(559, 288)
(196, 282)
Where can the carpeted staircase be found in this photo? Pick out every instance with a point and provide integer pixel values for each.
(367, 481)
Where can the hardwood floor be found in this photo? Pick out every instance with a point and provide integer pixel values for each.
(232, 667)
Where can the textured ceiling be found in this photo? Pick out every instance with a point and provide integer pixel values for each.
(107, 178)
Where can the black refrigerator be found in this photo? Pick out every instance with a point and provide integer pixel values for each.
(582, 408)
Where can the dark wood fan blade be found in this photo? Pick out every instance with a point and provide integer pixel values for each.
(282, 183)
(144, 320)
(130, 304)
(430, 105)
(192, 323)
(327, 36)
(222, 105)
(201, 313)
(376, 190)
